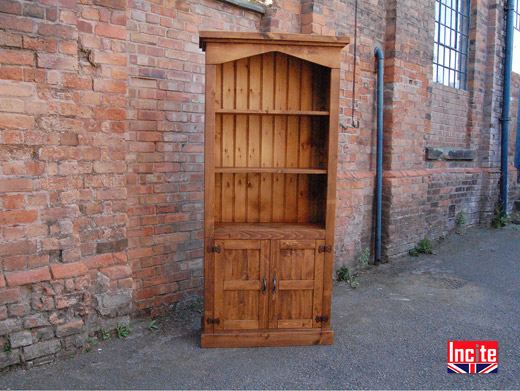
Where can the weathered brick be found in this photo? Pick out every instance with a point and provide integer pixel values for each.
(70, 328)
(9, 88)
(112, 246)
(100, 57)
(19, 310)
(12, 137)
(41, 349)
(9, 326)
(68, 270)
(17, 248)
(22, 338)
(118, 302)
(10, 7)
(36, 320)
(28, 276)
(18, 217)
(12, 105)
(98, 261)
(57, 31)
(90, 13)
(11, 40)
(15, 57)
(15, 263)
(110, 31)
(68, 17)
(69, 139)
(109, 86)
(8, 296)
(13, 201)
(8, 359)
(116, 4)
(34, 11)
(117, 272)
(17, 185)
(17, 24)
(54, 61)
(16, 121)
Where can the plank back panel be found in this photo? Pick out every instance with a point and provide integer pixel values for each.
(271, 81)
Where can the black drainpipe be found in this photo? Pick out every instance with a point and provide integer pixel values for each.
(379, 164)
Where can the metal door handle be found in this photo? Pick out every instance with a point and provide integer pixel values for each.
(265, 286)
(274, 285)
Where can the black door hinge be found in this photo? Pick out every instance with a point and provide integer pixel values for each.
(325, 249)
(213, 321)
(214, 249)
(320, 319)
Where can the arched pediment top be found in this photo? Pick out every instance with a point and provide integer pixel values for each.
(225, 47)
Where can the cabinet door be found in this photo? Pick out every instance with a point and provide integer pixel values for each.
(296, 290)
(241, 278)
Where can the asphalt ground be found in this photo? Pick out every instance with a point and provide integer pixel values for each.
(391, 332)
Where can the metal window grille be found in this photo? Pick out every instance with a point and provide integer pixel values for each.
(450, 56)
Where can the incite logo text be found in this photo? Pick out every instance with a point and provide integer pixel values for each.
(472, 356)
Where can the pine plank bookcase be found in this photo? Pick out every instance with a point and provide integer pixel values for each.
(271, 137)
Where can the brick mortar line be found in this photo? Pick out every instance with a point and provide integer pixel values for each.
(416, 173)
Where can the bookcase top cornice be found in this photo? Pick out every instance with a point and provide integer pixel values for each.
(225, 46)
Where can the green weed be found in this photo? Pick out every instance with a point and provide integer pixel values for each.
(364, 259)
(7, 346)
(123, 331)
(461, 222)
(501, 218)
(153, 326)
(343, 274)
(424, 247)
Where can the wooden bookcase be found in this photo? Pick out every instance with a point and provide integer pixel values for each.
(271, 139)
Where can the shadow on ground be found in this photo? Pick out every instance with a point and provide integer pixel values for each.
(391, 332)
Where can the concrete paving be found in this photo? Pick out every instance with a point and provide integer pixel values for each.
(391, 333)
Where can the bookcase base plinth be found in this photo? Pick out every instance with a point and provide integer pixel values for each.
(267, 338)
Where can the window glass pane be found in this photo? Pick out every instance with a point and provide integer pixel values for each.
(451, 42)
(516, 39)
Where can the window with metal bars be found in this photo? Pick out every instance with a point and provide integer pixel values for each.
(516, 41)
(450, 56)
(517, 14)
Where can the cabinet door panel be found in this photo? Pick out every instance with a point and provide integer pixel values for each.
(297, 270)
(240, 268)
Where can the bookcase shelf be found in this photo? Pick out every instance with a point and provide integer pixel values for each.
(271, 137)
(265, 170)
(258, 231)
(273, 112)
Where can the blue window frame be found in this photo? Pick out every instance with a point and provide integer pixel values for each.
(517, 14)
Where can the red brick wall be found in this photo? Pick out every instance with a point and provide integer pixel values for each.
(62, 187)
(514, 184)
(357, 139)
(450, 109)
(165, 143)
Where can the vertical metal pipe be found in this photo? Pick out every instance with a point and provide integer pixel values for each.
(517, 146)
(508, 65)
(379, 164)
